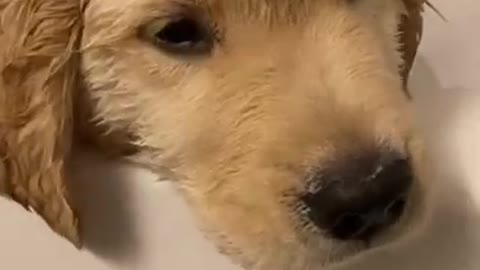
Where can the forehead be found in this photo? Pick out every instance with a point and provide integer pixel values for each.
(272, 9)
(121, 19)
(247, 5)
(242, 9)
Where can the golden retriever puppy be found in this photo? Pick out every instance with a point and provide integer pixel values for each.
(286, 124)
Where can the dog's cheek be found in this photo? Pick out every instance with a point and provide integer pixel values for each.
(425, 184)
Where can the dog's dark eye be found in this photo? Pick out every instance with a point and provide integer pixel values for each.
(182, 36)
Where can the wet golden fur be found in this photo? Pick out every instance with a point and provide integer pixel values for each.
(292, 84)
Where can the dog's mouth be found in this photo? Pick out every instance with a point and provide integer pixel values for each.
(371, 202)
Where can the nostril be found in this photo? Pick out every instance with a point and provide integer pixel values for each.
(347, 226)
(396, 208)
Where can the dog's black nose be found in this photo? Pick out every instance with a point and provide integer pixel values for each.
(359, 197)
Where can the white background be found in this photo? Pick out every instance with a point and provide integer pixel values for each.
(135, 223)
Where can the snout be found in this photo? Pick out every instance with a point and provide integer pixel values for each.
(360, 196)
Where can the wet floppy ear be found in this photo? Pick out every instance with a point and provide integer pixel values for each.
(38, 66)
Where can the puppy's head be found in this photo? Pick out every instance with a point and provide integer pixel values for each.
(285, 123)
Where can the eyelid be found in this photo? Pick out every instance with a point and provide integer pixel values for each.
(169, 11)
(162, 18)
(200, 47)
(150, 29)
